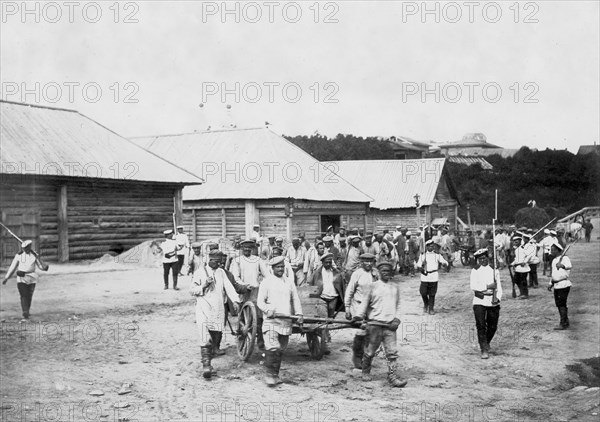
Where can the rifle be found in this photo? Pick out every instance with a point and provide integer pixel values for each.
(560, 258)
(495, 290)
(42, 264)
(539, 231)
(510, 258)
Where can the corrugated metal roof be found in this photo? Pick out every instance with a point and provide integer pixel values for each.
(52, 141)
(393, 183)
(469, 161)
(250, 163)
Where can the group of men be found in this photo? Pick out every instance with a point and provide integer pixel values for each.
(353, 274)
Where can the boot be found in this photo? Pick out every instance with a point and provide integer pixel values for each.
(564, 324)
(205, 353)
(217, 344)
(393, 378)
(358, 350)
(431, 304)
(272, 365)
(366, 367)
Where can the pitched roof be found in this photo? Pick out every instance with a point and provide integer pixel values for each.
(588, 149)
(394, 183)
(250, 163)
(469, 161)
(54, 141)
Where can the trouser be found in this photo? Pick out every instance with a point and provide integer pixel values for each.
(560, 300)
(378, 335)
(486, 321)
(174, 268)
(547, 262)
(332, 305)
(180, 260)
(428, 290)
(521, 282)
(275, 341)
(588, 236)
(533, 277)
(410, 266)
(26, 293)
(299, 276)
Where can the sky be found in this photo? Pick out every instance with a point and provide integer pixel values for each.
(522, 73)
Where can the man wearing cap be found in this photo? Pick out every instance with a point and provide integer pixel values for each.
(289, 271)
(487, 289)
(330, 285)
(169, 260)
(303, 241)
(381, 311)
(209, 285)
(24, 264)
(546, 244)
(560, 271)
(249, 271)
(353, 258)
(196, 260)
(532, 248)
(429, 264)
(369, 246)
(296, 253)
(412, 253)
(183, 244)
(277, 295)
(340, 235)
(343, 251)
(230, 307)
(521, 265)
(313, 260)
(331, 248)
(360, 283)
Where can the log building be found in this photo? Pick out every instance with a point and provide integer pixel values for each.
(254, 176)
(77, 189)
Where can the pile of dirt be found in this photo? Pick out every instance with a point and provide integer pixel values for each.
(146, 254)
(588, 371)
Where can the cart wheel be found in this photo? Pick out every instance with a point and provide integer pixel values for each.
(316, 344)
(246, 330)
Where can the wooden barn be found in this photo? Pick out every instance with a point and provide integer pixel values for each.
(77, 189)
(255, 176)
(393, 185)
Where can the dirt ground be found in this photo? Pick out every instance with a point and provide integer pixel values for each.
(106, 331)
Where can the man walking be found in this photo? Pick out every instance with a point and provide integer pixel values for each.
(360, 283)
(561, 269)
(169, 260)
(429, 264)
(521, 266)
(381, 310)
(209, 285)
(24, 264)
(486, 286)
(277, 295)
(183, 245)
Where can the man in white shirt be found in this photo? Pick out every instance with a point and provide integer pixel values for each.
(24, 264)
(169, 260)
(295, 255)
(429, 264)
(277, 295)
(209, 286)
(561, 269)
(546, 244)
(521, 266)
(486, 286)
(183, 245)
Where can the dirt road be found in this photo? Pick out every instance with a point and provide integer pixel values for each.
(118, 331)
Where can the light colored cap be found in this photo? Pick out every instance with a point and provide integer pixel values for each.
(196, 245)
(276, 260)
(558, 245)
(328, 239)
(26, 243)
(481, 252)
(326, 255)
(169, 231)
(180, 227)
(546, 231)
(408, 233)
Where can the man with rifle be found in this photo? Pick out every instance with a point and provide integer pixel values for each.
(560, 271)
(24, 264)
(381, 311)
(521, 267)
(429, 264)
(487, 289)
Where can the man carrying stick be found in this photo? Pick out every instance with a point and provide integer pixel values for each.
(277, 295)
(560, 271)
(24, 264)
(381, 311)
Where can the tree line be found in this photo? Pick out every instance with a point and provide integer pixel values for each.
(559, 181)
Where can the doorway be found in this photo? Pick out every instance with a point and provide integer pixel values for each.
(330, 220)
